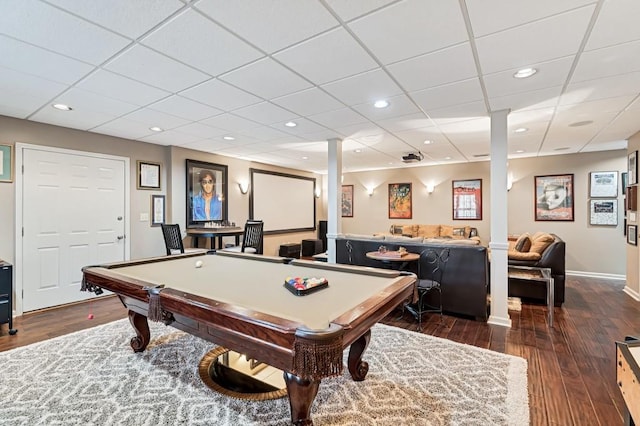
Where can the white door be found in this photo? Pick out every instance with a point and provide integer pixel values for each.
(73, 215)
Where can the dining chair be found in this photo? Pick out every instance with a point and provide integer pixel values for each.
(252, 240)
(172, 238)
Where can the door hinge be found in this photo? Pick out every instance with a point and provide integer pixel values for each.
(23, 231)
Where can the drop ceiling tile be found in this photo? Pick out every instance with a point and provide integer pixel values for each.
(124, 128)
(406, 122)
(45, 26)
(457, 113)
(194, 39)
(308, 102)
(594, 108)
(417, 137)
(156, 118)
(26, 92)
(533, 43)
(608, 87)
(321, 135)
(411, 28)
(620, 59)
(129, 18)
(265, 113)
(207, 145)
(398, 106)
(338, 118)
(118, 87)
(621, 15)
(266, 78)
(609, 145)
(347, 10)
(167, 74)
(550, 74)
(303, 127)
(201, 130)
(369, 86)
(184, 108)
(170, 137)
(230, 122)
(84, 100)
(448, 95)
(504, 14)
(362, 130)
(270, 25)
(536, 99)
(327, 57)
(220, 95)
(264, 133)
(76, 119)
(436, 68)
(33, 60)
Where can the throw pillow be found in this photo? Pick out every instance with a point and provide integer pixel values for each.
(428, 231)
(523, 244)
(540, 243)
(446, 231)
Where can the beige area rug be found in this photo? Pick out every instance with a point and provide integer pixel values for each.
(92, 377)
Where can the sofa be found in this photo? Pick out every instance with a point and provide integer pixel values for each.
(542, 250)
(465, 282)
(436, 231)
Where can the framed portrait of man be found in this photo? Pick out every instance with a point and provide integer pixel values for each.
(206, 193)
(554, 198)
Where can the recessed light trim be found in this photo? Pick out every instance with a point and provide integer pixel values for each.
(562, 148)
(156, 129)
(305, 158)
(519, 151)
(290, 124)
(357, 151)
(525, 73)
(228, 138)
(381, 103)
(521, 130)
(428, 142)
(62, 107)
(581, 123)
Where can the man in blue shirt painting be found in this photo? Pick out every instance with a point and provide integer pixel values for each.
(207, 204)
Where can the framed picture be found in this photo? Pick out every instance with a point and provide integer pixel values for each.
(467, 199)
(6, 163)
(624, 181)
(157, 210)
(207, 188)
(347, 200)
(400, 201)
(632, 168)
(603, 184)
(632, 234)
(603, 212)
(554, 197)
(148, 175)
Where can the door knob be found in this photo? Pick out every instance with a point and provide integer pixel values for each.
(121, 237)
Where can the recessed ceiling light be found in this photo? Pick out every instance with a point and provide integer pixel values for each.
(525, 72)
(480, 155)
(381, 104)
(156, 129)
(290, 124)
(519, 151)
(62, 107)
(428, 142)
(581, 123)
(357, 151)
(563, 148)
(521, 130)
(228, 138)
(305, 158)
(447, 158)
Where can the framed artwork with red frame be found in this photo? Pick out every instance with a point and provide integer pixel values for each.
(467, 199)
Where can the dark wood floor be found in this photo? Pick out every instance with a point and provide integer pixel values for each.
(571, 367)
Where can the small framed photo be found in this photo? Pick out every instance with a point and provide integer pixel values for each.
(467, 199)
(632, 234)
(157, 210)
(603, 212)
(400, 201)
(632, 168)
(347, 200)
(6, 163)
(148, 175)
(554, 197)
(624, 181)
(603, 184)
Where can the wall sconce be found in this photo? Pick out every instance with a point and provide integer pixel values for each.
(430, 188)
(318, 192)
(369, 192)
(244, 187)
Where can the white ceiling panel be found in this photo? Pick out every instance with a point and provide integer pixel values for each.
(195, 40)
(411, 28)
(266, 78)
(125, 66)
(327, 57)
(270, 25)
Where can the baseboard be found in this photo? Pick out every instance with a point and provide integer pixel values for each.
(634, 294)
(597, 275)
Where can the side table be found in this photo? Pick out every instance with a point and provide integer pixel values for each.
(532, 273)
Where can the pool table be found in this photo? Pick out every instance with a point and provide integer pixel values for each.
(239, 301)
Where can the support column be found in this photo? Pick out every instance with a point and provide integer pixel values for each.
(499, 218)
(334, 183)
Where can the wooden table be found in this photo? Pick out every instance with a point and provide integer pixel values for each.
(543, 275)
(215, 233)
(392, 260)
(239, 301)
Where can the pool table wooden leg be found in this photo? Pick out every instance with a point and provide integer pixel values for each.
(357, 367)
(302, 392)
(143, 335)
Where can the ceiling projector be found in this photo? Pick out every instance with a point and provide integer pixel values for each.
(412, 157)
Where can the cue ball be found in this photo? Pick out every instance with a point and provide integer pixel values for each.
(199, 264)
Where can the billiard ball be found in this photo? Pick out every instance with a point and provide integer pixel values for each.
(199, 264)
